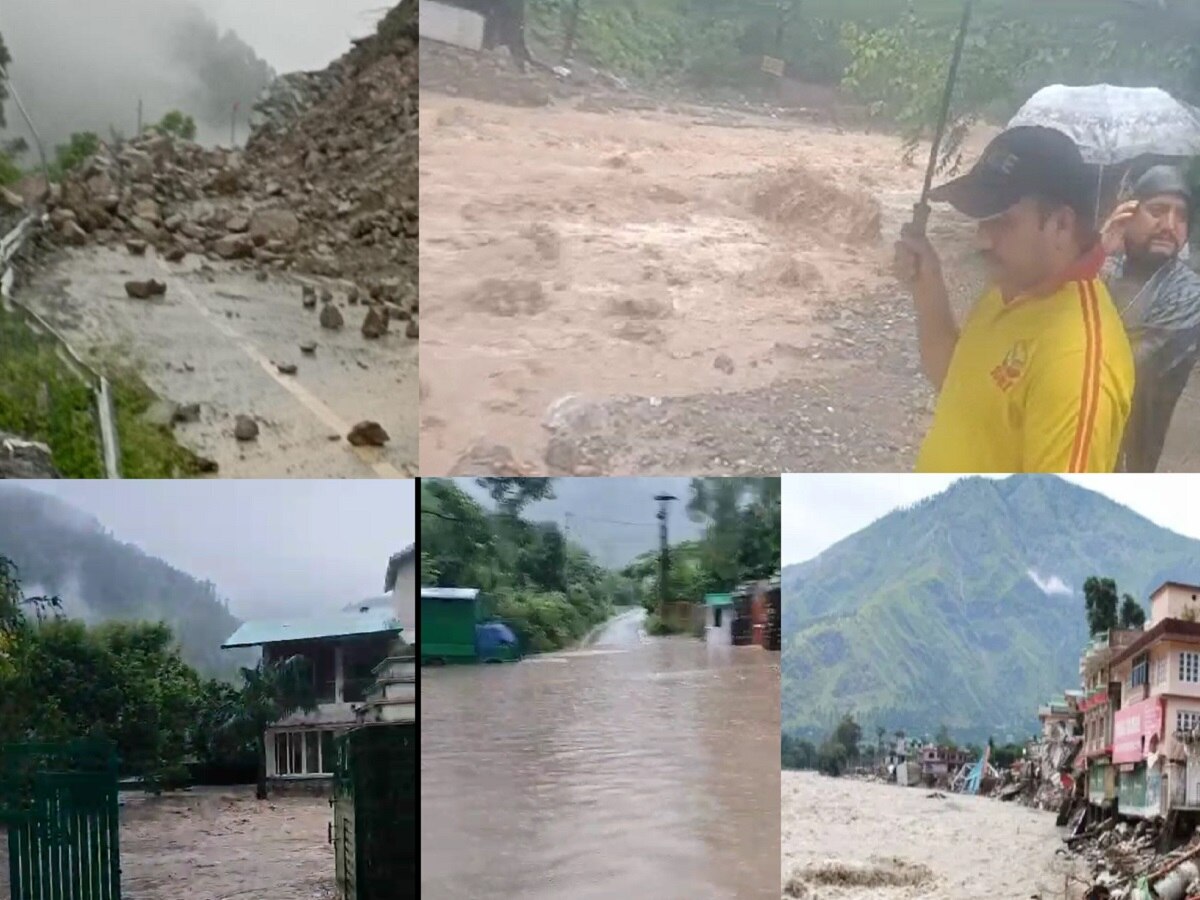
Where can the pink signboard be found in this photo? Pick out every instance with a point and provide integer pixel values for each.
(1132, 729)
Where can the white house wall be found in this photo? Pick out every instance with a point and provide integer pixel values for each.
(404, 595)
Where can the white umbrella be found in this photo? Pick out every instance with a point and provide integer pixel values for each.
(1113, 125)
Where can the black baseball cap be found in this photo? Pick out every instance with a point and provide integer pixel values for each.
(1162, 179)
(1025, 161)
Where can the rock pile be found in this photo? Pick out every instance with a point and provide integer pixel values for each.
(347, 164)
(327, 184)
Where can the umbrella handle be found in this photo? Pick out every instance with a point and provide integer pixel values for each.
(920, 219)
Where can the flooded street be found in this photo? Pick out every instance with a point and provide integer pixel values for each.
(855, 840)
(638, 767)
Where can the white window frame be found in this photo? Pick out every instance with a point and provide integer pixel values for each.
(1189, 665)
(301, 737)
(1187, 719)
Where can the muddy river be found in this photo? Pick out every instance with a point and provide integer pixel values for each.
(636, 767)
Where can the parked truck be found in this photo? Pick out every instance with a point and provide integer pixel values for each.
(455, 629)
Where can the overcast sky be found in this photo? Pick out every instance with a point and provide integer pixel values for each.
(299, 34)
(820, 510)
(273, 548)
(613, 518)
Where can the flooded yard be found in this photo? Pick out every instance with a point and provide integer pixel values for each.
(220, 844)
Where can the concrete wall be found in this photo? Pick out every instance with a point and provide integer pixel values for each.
(721, 634)
(1169, 652)
(451, 25)
(1174, 602)
(404, 594)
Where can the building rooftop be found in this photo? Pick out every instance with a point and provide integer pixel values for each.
(343, 624)
(448, 593)
(1180, 629)
(394, 563)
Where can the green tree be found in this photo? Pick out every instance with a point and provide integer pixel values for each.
(1100, 602)
(5, 59)
(1132, 614)
(175, 124)
(272, 691)
(512, 495)
(75, 152)
(849, 735)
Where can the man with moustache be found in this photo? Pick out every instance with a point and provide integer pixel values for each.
(1040, 377)
(1158, 297)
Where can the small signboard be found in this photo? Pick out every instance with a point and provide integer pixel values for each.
(773, 66)
(1132, 729)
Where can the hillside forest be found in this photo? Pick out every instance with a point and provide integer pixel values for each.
(550, 590)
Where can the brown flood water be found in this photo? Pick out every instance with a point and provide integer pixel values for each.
(639, 767)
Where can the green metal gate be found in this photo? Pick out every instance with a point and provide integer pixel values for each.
(59, 803)
(375, 812)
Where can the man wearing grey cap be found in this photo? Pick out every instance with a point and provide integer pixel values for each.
(1158, 297)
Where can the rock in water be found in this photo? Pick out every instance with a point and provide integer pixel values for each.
(286, 368)
(136, 247)
(413, 330)
(309, 296)
(331, 317)
(368, 434)
(308, 347)
(245, 429)
(375, 324)
(144, 290)
(175, 254)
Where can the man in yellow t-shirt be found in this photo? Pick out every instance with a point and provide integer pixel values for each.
(1040, 379)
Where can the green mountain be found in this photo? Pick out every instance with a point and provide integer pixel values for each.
(964, 609)
(60, 551)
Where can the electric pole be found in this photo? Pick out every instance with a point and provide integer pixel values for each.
(566, 542)
(663, 563)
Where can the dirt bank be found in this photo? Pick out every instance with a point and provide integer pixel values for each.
(853, 840)
(221, 844)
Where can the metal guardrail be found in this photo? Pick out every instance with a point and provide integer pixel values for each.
(105, 411)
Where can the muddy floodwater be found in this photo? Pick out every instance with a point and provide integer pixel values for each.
(855, 840)
(636, 767)
(220, 844)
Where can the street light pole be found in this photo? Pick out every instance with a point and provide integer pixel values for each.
(663, 561)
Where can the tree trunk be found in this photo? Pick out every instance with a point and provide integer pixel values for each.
(261, 790)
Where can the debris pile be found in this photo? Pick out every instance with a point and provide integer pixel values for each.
(327, 184)
(1126, 861)
(347, 166)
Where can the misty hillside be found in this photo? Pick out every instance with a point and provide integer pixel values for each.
(62, 551)
(613, 519)
(84, 66)
(966, 608)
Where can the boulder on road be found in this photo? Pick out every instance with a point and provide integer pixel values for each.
(331, 317)
(144, 290)
(368, 434)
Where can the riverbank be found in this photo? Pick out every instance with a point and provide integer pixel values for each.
(847, 839)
